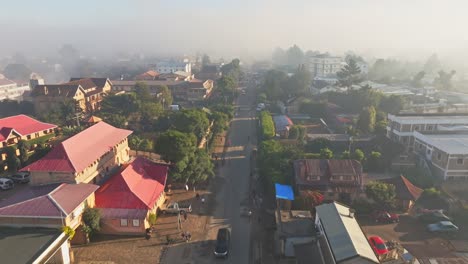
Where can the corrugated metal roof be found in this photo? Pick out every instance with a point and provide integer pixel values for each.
(344, 233)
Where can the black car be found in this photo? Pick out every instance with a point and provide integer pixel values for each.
(223, 242)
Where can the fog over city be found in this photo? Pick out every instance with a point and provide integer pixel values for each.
(232, 28)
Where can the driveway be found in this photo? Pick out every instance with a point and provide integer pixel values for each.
(412, 235)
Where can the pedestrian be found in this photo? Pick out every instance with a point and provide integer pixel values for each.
(185, 216)
(189, 236)
(184, 237)
(197, 196)
(202, 200)
(186, 187)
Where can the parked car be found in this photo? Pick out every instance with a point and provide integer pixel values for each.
(174, 208)
(20, 177)
(385, 217)
(6, 184)
(378, 245)
(433, 217)
(223, 241)
(442, 227)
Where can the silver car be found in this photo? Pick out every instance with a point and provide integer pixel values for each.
(6, 184)
(442, 227)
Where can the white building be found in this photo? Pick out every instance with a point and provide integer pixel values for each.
(11, 90)
(171, 67)
(324, 65)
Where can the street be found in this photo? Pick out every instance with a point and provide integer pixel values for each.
(231, 195)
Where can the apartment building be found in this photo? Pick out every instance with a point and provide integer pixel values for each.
(324, 65)
(400, 127)
(10, 90)
(170, 67)
(447, 152)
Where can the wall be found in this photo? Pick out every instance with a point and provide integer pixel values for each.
(31, 222)
(112, 226)
(41, 177)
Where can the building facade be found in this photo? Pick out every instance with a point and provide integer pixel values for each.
(88, 157)
(447, 153)
(10, 90)
(170, 67)
(324, 65)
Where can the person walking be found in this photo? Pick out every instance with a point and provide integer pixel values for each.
(185, 216)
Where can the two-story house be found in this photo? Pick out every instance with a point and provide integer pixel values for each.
(446, 151)
(335, 179)
(400, 127)
(88, 156)
(22, 127)
(147, 76)
(87, 93)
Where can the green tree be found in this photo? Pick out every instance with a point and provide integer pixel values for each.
(220, 122)
(392, 104)
(165, 96)
(417, 79)
(275, 85)
(92, 219)
(358, 155)
(326, 153)
(432, 64)
(314, 109)
(205, 60)
(124, 104)
(12, 160)
(366, 121)
(382, 193)
(300, 82)
(142, 91)
(149, 111)
(267, 125)
(294, 56)
(317, 144)
(374, 161)
(200, 167)
(192, 121)
(345, 155)
(23, 147)
(297, 132)
(174, 146)
(116, 120)
(444, 80)
(350, 74)
(381, 128)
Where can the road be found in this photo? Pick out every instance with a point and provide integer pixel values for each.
(232, 193)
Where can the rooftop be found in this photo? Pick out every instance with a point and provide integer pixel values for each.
(450, 143)
(73, 155)
(295, 223)
(316, 172)
(436, 118)
(282, 122)
(405, 190)
(21, 124)
(24, 245)
(344, 233)
(149, 83)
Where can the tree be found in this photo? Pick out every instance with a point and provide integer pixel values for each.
(192, 121)
(382, 193)
(116, 120)
(23, 147)
(381, 128)
(358, 155)
(418, 78)
(275, 84)
(279, 56)
(314, 109)
(432, 64)
(297, 132)
(174, 146)
(366, 121)
(317, 144)
(17, 72)
(142, 91)
(300, 82)
(345, 155)
(392, 104)
(91, 220)
(200, 167)
(374, 161)
(294, 56)
(267, 125)
(205, 60)
(220, 122)
(12, 160)
(165, 96)
(349, 75)
(326, 153)
(226, 85)
(444, 80)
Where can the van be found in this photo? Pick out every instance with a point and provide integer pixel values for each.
(223, 242)
(6, 184)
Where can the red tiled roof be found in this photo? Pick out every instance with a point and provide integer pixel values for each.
(47, 201)
(306, 169)
(138, 186)
(21, 124)
(79, 151)
(404, 189)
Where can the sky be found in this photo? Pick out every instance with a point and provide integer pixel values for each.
(380, 28)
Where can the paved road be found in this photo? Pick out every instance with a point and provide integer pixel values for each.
(233, 193)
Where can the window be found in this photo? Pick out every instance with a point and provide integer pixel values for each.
(429, 128)
(347, 178)
(416, 128)
(405, 140)
(429, 151)
(123, 222)
(136, 222)
(459, 161)
(439, 156)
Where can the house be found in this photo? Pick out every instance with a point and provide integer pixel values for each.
(147, 76)
(12, 90)
(127, 199)
(446, 151)
(406, 193)
(198, 90)
(47, 206)
(341, 239)
(86, 93)
(170, 67)
(209, 72)
(324, 65)
(176, 76)
(22, 127)
(153, 86)
(88, 156)
(293, 228)
(400, 127)
(282, 125)
(34, 245)
(335, 179)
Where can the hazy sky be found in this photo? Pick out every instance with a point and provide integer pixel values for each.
(379, 27)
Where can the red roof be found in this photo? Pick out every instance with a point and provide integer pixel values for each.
(138, 186)
(404, 189)
(47, 201)
(79, 151)
(21, 124)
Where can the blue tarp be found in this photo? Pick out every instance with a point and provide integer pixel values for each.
(284, 192)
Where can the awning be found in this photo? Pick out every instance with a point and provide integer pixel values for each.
(284, 192)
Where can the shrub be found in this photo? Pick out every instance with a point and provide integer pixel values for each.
(268, 127)
(91, 219)
(362, 206)
(152, 218)
(68, 231)
(431, 192)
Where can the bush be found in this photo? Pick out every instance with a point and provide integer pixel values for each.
(267, 125)
(152, 218)
(91, 219)
(432, 192)
(362, 206)
(68, 231)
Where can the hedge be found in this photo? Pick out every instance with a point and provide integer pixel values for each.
(268, 127)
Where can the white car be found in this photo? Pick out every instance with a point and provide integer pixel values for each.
(6, 184)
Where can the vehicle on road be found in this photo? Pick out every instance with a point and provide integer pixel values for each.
(243, 92)
(20, 177)
(378, 245)
(223, 241)
(433, 217)
(385, 217)
(442, 227)
(175, 208)
(6, 184)
(260, 107)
